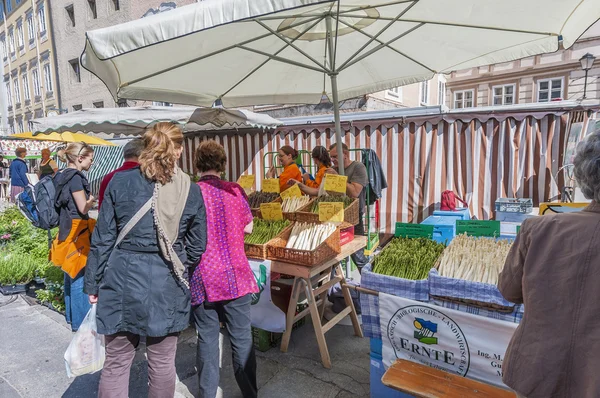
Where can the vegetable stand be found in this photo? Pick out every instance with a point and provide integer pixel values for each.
(316, 282)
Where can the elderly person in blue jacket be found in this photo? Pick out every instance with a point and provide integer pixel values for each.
(18, 173)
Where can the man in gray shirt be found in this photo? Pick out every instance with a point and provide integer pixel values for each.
(357, 182)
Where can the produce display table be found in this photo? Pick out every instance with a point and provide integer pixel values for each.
(316, 282)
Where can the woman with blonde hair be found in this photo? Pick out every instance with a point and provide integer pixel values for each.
(48, 167)
(71, 246)
(151, 234)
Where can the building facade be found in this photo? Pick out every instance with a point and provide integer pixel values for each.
(543, 78)
(29, 86)
(71, 19)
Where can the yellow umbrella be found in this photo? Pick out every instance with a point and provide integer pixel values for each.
(64, 137)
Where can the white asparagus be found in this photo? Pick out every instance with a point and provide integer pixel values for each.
(476, 259)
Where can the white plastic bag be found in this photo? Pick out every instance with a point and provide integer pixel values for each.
(85, 353)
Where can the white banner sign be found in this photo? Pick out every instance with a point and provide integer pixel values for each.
(457, 342)
(263, 313)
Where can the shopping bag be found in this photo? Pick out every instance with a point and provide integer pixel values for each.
(85, 353)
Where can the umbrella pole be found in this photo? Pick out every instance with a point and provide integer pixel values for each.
(338, 126)
(334, 94)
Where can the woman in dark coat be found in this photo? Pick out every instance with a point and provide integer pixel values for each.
(140, 284)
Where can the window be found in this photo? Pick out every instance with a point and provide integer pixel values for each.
(92, 4)
(26, 93)
(77, 107)
(20, 36)
(71, 14)
(116, 4)
(11, 42)
(17, 91)
(3, 47)
(424, 93)
(48, 77)
(8, 94)
(31, 28)
(36, 83)
(122, 103)
(503, 95)
(441, 92)
(21, 126)
(99, 104)
(1, 11)
(395, 93)
(8, 6)
(463, 99)
(550, 90)
(76, 70)
(42, 19)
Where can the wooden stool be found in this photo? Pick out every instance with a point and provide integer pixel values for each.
(423, 381)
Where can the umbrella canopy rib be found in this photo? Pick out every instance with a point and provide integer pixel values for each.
(391, 48)
(200, 58)
(290, 43)
(386, 27)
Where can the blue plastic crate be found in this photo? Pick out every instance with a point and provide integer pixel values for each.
(462, 214)
(378, 390)
(444, 228)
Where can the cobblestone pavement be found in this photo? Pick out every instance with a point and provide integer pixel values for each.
(33, 340)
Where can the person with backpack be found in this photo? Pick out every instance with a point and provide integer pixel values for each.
(151, 234)
(71, 246)
(18, 174)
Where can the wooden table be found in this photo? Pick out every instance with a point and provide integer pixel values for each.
(316, 281)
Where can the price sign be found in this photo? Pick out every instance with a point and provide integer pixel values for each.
(271, 211)
(335, 183)
(331, 211)
(291, 192)
(246, 181)
(478, 228)
(270, 185)
(406, 230)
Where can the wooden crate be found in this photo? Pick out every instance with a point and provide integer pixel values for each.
(327, 250)
(351, 214)
(259, 252)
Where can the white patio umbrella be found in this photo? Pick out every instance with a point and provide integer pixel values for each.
(249, 52)
(135, 120)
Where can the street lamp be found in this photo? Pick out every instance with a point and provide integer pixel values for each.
(586, 64)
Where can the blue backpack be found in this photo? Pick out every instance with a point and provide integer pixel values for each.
(37, 203)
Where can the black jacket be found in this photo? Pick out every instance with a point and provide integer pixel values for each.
(377, 181)
(137, 290)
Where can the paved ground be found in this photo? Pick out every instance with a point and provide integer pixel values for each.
(33, 340)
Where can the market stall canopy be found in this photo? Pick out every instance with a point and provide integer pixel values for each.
(248, 52)
(66, 137)
(135, 120)
(8, 145)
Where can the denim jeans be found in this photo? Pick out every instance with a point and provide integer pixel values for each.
(77, 303)
(237, 319)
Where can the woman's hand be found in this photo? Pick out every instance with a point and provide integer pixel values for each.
(271, 172)
(292, 182)
(305, 177)
(93, 298)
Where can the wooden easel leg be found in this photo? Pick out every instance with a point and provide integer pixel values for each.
(323, 296)
(291, 313)
(316, 319)
(348, 299)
